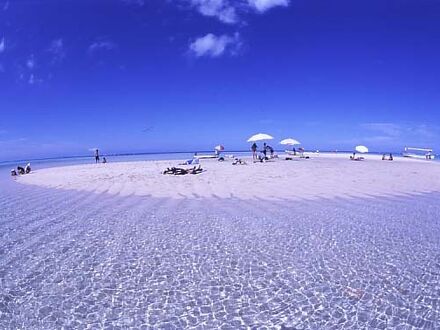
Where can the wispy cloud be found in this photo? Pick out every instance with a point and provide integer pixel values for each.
(30, 62)
(105, 45)
(56, 48)
(2, 45)
(388, 129)
(34, 80)
(419, 133)
(6, 6)
(213, 46)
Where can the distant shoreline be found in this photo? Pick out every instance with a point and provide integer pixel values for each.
(128, 154)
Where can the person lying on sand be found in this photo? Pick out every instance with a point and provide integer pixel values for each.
(13, 172)
(239, 161)
(183, 171)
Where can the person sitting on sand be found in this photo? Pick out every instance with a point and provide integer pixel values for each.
(390, 157)
(254, 151)
(262, 157)
(270, 149)
(13, 172)
(356, 158)
(104, 160)
(27, 169)
(20, 170)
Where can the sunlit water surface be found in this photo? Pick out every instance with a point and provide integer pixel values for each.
(71, 259)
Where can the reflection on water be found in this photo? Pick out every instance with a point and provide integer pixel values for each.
(70, 259)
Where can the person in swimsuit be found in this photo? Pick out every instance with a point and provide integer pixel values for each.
(254, 151)
(97, 156)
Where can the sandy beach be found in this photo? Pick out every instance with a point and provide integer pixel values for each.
(321, 176)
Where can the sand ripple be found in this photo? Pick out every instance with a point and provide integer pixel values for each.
(70, 259)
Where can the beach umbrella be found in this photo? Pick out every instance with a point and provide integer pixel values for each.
(219, 148)
(290, 142)
(361, 149)
(259, 137)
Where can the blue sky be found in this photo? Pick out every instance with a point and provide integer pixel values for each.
(182, 75)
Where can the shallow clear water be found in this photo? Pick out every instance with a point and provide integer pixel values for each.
(71, 259)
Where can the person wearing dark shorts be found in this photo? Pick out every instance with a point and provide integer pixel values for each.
(97, 156)
(254, 151)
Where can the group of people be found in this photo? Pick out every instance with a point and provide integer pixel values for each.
(21, 170)
(387, 157)
(263, 154)
(183, 171)
(384, 157)
(104, 160)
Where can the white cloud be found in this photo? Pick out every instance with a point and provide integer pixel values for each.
(2, 45)
(227, 10)
(102, 45)
(214, 46)
(217, 8)
(263, 5)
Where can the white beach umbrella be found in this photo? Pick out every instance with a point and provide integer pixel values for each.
(259, 137)
(361, 149)
(219, 148)
(290, 142)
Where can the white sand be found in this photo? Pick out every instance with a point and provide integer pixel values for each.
(323, 176)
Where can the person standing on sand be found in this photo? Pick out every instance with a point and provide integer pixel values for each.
(97, 156)
(254, 151)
